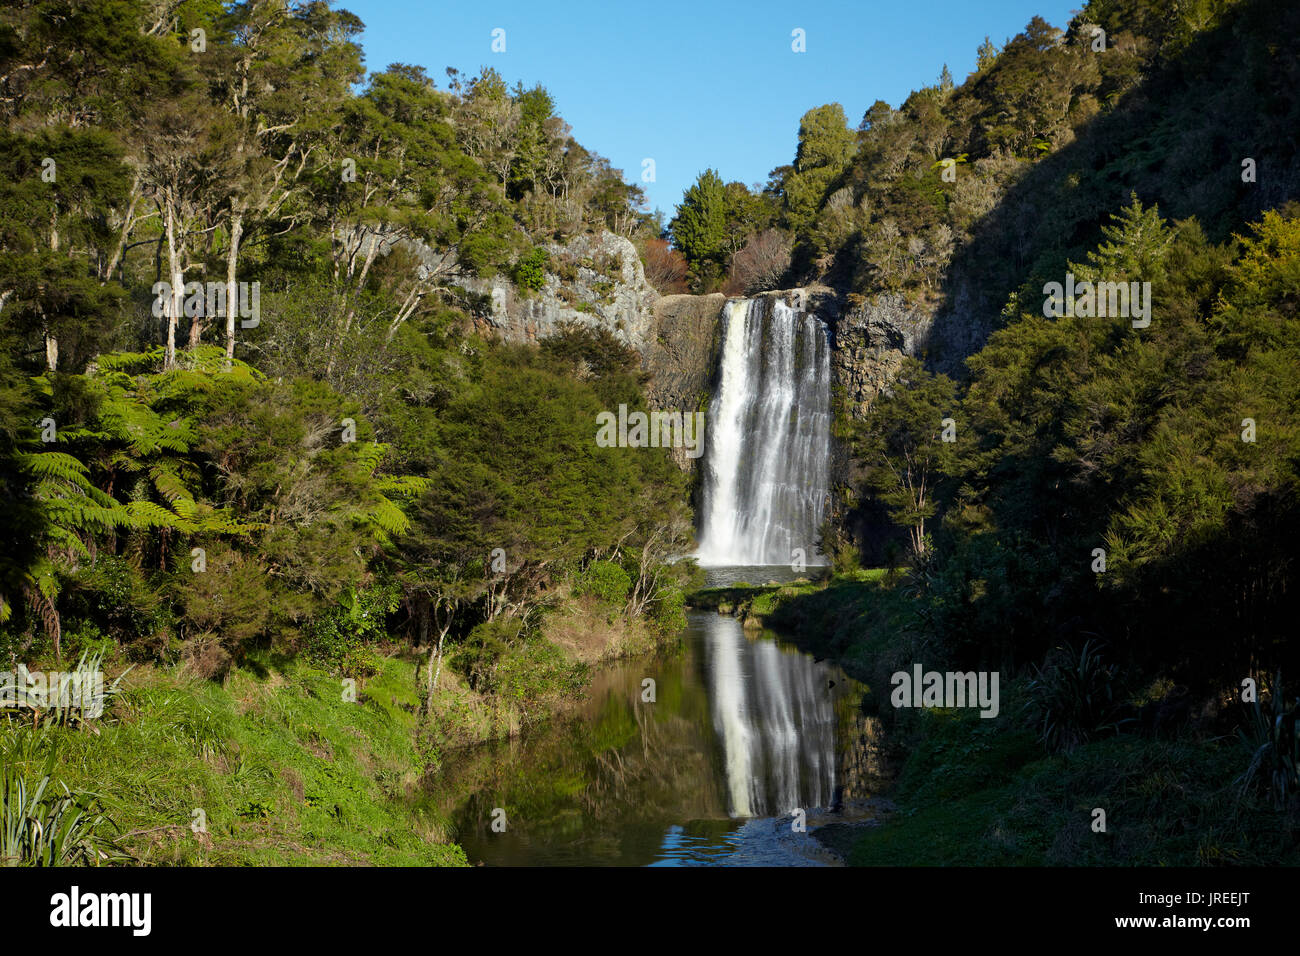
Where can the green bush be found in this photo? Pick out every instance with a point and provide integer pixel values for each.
(482, 652)
(668, 610)
(88, 637)
(604, 579)
(530, 269)
(341, 638)
(46, 824)
(537, 671)
(1074, 698)
(1274, 747)
(112, 596)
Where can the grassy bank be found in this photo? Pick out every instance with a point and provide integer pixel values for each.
(974, 791)
(277, 764)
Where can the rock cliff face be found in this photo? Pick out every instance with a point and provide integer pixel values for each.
(868, 340)
(871, 340)
(598, 280)
(681, 356)
(594, 280)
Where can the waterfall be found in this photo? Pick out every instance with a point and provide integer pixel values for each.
(767, 437)
(775, 722)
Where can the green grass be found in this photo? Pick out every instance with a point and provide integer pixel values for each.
(975, 794)
(785, 604)
(285, 770)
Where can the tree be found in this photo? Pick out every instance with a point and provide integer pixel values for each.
(284, 78)
(54, 234)
(826, 146)
(665, 267)
(902, 445)
(699, 230)
(187, 160)
(762, 263)
(985, 55)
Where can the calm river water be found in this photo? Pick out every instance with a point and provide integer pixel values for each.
(743, 729)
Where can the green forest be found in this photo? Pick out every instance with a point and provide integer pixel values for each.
(268, 465)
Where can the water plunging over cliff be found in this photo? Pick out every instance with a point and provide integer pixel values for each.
(767, 438)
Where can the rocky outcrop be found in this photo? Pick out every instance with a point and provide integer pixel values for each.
(595, 280)
(681, 356)
(871, 340)
(598, 280)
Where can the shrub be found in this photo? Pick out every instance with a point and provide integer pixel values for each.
(536, 671)
(44, 825)
(1270, 738)
(762, 263)
(530, 269)
(112, 596)
(668, 610)
(340, 639)
(482, 653)
(665, 267)
(1074, 698)
(232, 600)
(604, 579)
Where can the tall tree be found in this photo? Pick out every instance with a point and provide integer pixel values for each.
(699, 230)
(907, 445)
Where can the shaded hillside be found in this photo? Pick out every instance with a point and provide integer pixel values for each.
(1177, 139)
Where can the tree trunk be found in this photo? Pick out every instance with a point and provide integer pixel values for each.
(352, 302)
(232, 297)
(421, 638)
(51, 342)
(51, 351)
(371, 253)
(434, 666)
(127, 224)
(433, 685)
(178, 289)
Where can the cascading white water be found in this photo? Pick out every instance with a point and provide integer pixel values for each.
(767, 438)
(775, 719)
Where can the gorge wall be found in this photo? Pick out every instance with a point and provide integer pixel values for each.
(598, 280)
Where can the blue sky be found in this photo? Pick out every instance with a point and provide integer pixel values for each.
(695, 84)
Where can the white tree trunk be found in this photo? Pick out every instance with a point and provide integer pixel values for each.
(232, 296)
(178, 288)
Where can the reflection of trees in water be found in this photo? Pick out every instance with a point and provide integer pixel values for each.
(665, 772)
(605, 785)
(861, 754)
(624, 760)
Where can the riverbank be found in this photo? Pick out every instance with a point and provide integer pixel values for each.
(283, 763)
(273, 766)
(973, 791)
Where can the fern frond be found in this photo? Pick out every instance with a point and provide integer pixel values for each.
(405, 486)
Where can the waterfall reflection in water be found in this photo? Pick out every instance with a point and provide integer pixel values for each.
(775, 719)
(743, 727)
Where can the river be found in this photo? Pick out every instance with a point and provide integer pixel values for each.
(697, 756)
